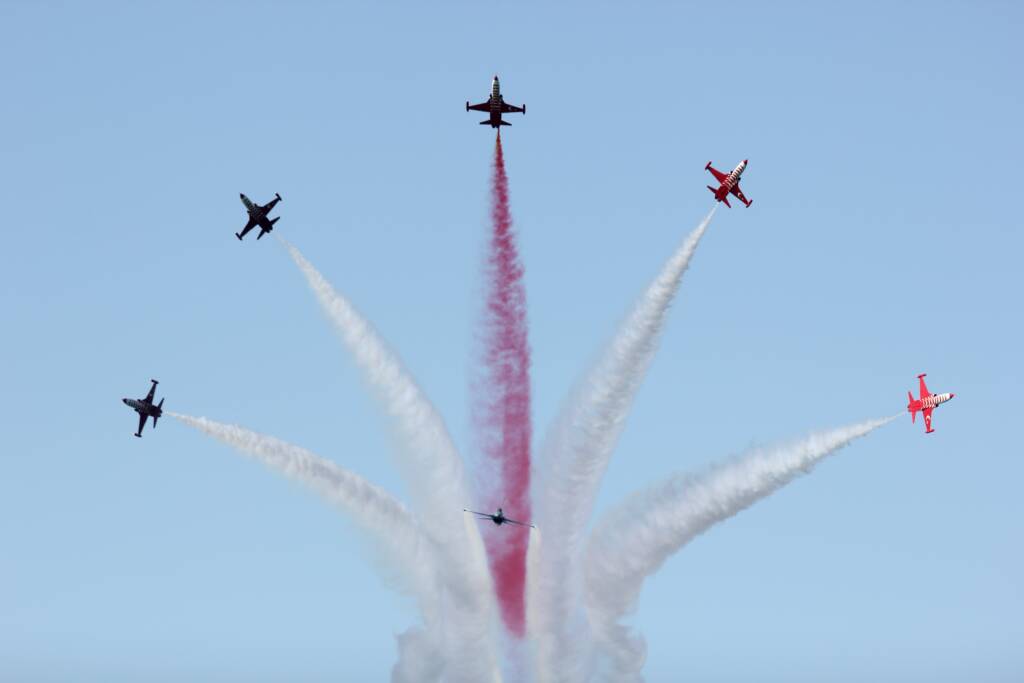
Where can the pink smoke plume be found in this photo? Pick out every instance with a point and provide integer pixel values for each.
(502, 406)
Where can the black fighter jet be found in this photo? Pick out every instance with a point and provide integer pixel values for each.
(145, 408)
(498, 518)
(495, 106)
(258, 216)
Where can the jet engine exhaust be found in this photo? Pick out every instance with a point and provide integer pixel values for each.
(635, 538)
(576, 452)
(501, 400)
(432, 468)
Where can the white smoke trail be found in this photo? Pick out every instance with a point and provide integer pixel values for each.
(433, 469)
(388, 523)
(633, 540)
(575, 457)
(419, 658)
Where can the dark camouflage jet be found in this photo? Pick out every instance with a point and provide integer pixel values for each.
(145, 408)
(258, 216)
(498, 518)
(495, 106)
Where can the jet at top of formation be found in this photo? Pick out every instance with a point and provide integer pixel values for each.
(258, 215)
(498, 518)
(495, 106)
(926, 403)
(729, 183)
(145, 407)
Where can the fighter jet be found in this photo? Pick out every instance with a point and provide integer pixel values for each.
(145, 408)
(495, 106)
(926, 404)
(258, 216)
(498, 518)
(729, 183)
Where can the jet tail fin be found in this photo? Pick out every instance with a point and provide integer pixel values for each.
(714, 191)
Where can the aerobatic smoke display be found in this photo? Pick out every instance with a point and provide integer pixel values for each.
(513, 603)
(501, 398)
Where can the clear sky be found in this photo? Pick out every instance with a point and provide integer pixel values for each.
(884, 240)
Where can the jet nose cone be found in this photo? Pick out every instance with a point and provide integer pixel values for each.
(952, 395)
(124, 401)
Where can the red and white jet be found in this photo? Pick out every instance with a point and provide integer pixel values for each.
(730, 183)
(926, 404)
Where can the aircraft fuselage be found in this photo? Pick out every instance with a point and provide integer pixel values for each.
(495, 106)
(145, 407)
(730, 181)
(925, 403)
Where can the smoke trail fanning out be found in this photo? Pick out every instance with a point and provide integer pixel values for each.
(576, 454)
(406, 550)
(433, 471)
(501, 405)
(386, 520)
(634, 539)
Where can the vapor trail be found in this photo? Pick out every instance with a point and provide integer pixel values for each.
(576, 454)
(433, 469)
(633, 540)
(501, 405)
(386, 521)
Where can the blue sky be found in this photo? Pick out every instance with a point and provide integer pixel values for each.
(883, 241)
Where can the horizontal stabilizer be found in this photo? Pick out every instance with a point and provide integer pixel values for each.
(274, 220)
(155, 418)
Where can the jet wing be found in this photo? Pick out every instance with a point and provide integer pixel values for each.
(512, 521)
(478, 514)
(924, 388)
(927, 419)
(483, 106)
(719, 176)
(142, 423)
(152, 391)
(739, 193)
(248, 226)
(506, 108)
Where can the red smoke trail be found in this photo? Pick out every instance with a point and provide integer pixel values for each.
(502, 406)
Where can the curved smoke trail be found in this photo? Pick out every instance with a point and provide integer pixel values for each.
(576, 455)
(502, 406)
(433, 470)
(633, 540)
(385, 520)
